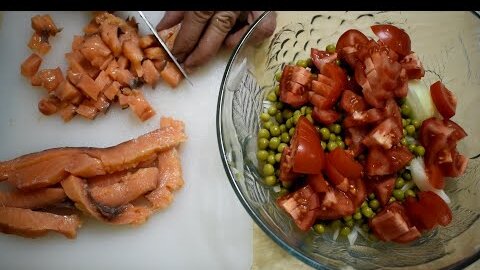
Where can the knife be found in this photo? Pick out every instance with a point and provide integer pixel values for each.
(164, 46)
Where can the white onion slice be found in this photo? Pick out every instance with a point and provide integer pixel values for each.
(407, 186)
(335, 234)
(420, 100)
(352, 236)
(419, 176)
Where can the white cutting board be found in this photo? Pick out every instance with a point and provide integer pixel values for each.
(205, 227)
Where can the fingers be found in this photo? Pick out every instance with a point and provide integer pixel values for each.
(194, 22)
(265, 29)
(170, 19)
(220, 25)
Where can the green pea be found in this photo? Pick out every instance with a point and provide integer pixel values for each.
(275, 130)
(262, 143)
(319, 228)
(272, 97)
(309, 118)
(374, 204)
(341, 144)
(419, 150)
(283, 128)
(287, 113)
(407, 176)
(288, 123)
(281, 146)
(404, 122)
(324, 144)
(399, 182)
(391, 200)
(264, 117)
(367, 211)
(325, 133)
(279, 105)
(410, 130)
(416, 123)
(398, 194)
(332, 137)
(347, 218)
(350, 223)
(330, 48)
(285, 137)
(278, 157)
(295, 118)
(409, 193)
(278, 75)
(264, 133)
(371, 196)
(262, 155)
(331, 128)
(345, 231)
(274, 143)
(403, 141)
(336, 128)
(291, 132)
(406, 110)
(272, 110)
(411, 147)
(309, 110)
(331, 146)
(404, 132)
(271, 159)
(309, 62)
(268, 170)
(267, 125)
(336, 224)
(279, 118)
(276, 90)
(297, 112)
(357, 216)
(364, 205)
(270, 180)
(302, 63)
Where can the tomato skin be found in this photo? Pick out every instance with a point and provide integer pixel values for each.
(457, 167)
(350, 38)
(318, 183)
(294, 85)
(433, 202)
(444, 100)
(345, 164)
(335, 177)
(435, 176)
(384, 162)
(382, 188)
(413, 66)
(352, 102)
(390, 223)
(428, 211)
(335, 204)
(326, 117)
(308, 157)
(393, 37)
(386, 134)
(301, 205)
(319, 58)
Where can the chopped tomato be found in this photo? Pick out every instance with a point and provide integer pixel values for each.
(334, 205)
(308, 156)
(353, 139)
(435, 176)
(457, 167)
(458, 133)
(434, 203)
(399, 157)
(337, 179)
(413, 66)
(444, 100)
(318, 183)
(382, 188)
(389, 224)
(386, 134)
(319, 58)
(286, 173)
(395, 38)
(326, 117)
(428, 211)
(385, 162)
(345, 164)
(362, 118)
(350, 38)
(352, 102)
(301, 205)
(293, 85)
(357, 192)
(409, 236)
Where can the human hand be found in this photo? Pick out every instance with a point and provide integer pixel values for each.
(203, 33)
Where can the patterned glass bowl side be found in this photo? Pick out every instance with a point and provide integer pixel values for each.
(448, 43)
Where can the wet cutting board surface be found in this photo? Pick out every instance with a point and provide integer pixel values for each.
(205, 227)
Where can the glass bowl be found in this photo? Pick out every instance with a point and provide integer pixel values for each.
(448, 44)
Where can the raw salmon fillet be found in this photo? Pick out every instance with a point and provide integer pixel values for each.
(32, 200)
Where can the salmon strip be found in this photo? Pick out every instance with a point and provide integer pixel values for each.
(50, 79)
(171, 74)
(67, 91)
(107, 179)
(76, 190)
(32, 200)
(111, 91)
(140, 105)
(39, 43)
(43, 24)
(130, 187)
(83, 165)
(89, 87)
(32, 224)
(108, 32)
(49, 105)
(132, 51)
(150, 73)
(134, 215)
(31, 65)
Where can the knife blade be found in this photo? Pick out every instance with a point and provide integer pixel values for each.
(164, 46)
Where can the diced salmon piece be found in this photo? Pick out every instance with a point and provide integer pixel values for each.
(147, 41)
(67, 112)
(74, 77)
(132, 51)
(77, 42)
(109, 34)
(31, 65)
(76, 189)
(166, 122)
(95, 50)
(32, 200)
(140, 105)
(66, 91)
(122, 76)
(84, 165)
(123, 62)
(105, 62)
(87, 109)
(169, 178)
(32, 224)
(39, 44)
(43, 24)
(50, 79)
(171, 74)
(130, 187)
(102, 103)
(155, 53)
(79, 64)
(150, 73)
(123, 100)
(134, 215)
(89, 87)
(103, 80)
(49, 105)
(159, 64)
(111, 91)
(169, 35)
(91, 28)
